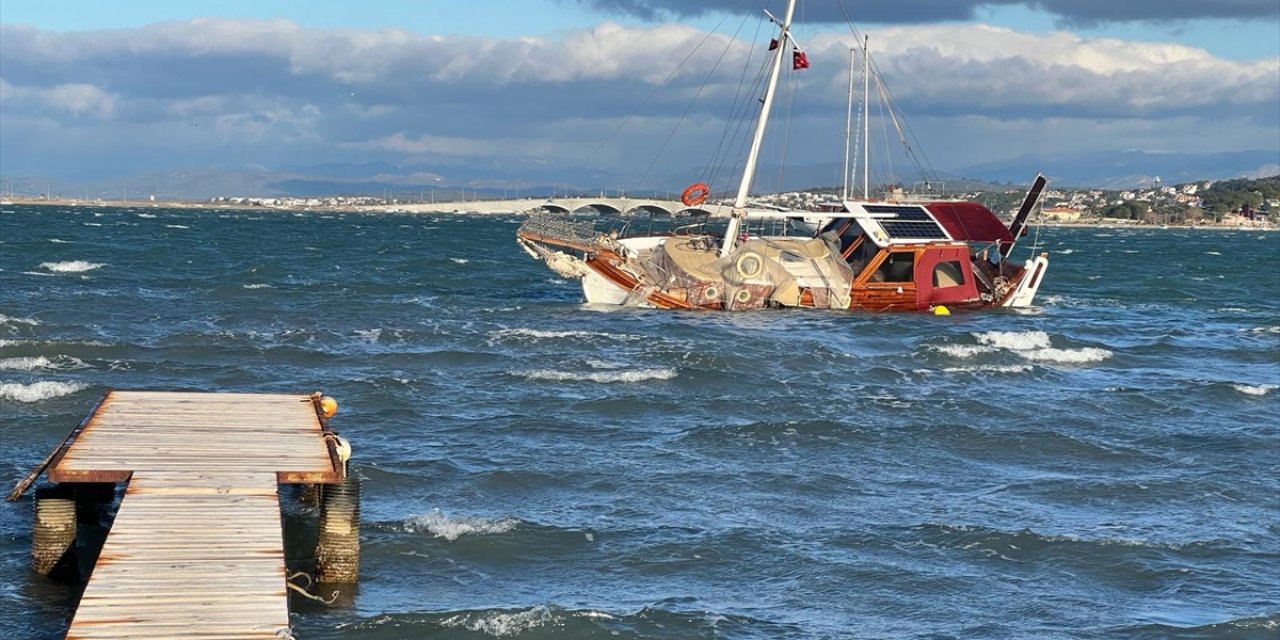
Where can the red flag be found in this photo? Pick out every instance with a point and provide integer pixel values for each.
(773, 44)
(799, 60)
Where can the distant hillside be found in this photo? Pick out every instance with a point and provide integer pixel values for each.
(1115, 170)
(1230, 195)
(1130, 169)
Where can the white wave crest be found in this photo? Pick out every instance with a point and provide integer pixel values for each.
(57, 241)
(1013, 368)
(177, 226)
(37, 391)
(502, 624)
(12, 320)
(71, 266)
(369, 335)
(1014, 340)
(631, 375)
(257, 286)
(1067, 356)
(1255, 390)
(442, 526)
(538, 333)
(964, 350)
(60, 363)
(146, 215)
(460, 260)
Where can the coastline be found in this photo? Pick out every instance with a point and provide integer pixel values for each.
(459, 208)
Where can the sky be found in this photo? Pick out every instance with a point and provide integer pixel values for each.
(589, 90)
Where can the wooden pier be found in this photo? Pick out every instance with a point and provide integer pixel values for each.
(196, 548)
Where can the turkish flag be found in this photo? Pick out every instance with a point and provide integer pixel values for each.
(799, 60)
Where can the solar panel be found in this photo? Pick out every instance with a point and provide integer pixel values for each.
(908, 222)
(915, 214)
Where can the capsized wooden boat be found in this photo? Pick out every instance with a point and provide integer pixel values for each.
(875, 256)
(870, 255)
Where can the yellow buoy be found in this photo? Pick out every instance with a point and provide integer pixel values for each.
(941, 311)
(328, 406)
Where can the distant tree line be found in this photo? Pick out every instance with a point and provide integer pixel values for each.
(1231, 195)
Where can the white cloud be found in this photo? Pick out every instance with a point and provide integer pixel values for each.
(392, 94)
(77, 99)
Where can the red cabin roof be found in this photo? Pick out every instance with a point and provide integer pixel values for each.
(970, 222)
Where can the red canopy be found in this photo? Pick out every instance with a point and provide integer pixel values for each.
(970, 221)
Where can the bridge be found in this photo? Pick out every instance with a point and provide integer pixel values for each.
(602, 205)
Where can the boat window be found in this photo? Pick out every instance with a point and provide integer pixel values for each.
(898, 266)
(947, 274)
(860, 255)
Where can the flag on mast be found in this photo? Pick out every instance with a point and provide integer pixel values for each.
(799, 60)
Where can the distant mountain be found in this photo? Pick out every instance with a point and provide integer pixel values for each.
(1107, 170)
(1128, 169)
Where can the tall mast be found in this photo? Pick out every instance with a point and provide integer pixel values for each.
(748, 173)
(866, 116)
(848, 134)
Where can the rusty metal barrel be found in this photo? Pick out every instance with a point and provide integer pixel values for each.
(53, 529)
(338, 543)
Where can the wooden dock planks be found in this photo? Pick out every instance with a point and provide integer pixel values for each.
(196, 548)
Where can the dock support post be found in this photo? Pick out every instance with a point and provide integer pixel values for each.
(53, 529)
(338, 546)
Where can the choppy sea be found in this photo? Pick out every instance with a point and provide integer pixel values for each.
(1104, 465)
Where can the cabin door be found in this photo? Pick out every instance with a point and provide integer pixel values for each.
(944, 276)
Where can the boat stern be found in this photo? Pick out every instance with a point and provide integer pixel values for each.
(1025, 293)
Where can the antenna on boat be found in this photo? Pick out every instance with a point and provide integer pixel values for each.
(848, 133)
(866, 116)
(748, 172)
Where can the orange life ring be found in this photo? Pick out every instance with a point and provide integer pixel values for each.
(696, 194)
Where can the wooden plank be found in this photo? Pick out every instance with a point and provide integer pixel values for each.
(201, 508)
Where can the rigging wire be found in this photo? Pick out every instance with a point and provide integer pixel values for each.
(654, 91)
(689, 107)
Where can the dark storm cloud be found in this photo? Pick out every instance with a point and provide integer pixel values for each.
(922, 11)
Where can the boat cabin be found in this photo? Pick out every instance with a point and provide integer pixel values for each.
(917, 256)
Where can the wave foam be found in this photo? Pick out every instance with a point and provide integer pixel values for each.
(1034, 346)
(37, 391)
(442, 526)
(541, 334)
(633, 375)
(1067, 356)
(1014, 340)
(502, 624)
(12, 320)
(59, 363)
(71, 266)
(964, 350)
(1255, 390)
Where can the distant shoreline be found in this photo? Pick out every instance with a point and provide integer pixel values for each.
(458, 208)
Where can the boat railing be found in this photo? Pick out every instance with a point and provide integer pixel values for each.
(552, 225)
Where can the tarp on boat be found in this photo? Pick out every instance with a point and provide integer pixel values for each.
(969, 221)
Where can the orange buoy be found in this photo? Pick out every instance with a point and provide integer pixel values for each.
(328, 406)
(696, 194)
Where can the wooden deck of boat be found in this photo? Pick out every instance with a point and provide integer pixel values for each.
(196, 548)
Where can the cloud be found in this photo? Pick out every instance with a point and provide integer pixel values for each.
(916, 11)
(78, 99)
(239, 91)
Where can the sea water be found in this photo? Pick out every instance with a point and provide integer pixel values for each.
(1103, 465)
